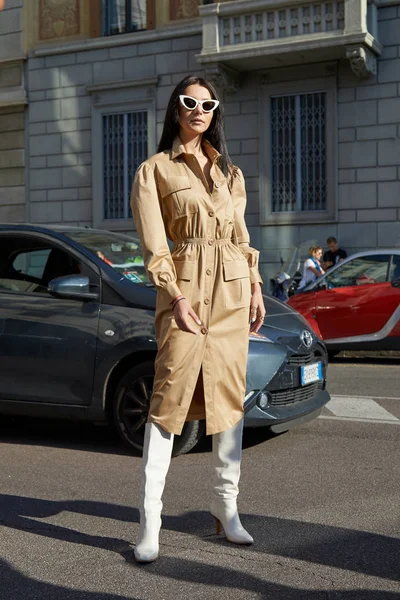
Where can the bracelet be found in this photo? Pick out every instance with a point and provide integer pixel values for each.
(175, 299)
(178, 300)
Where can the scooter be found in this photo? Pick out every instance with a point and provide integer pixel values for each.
(286, 281)
(284, 286)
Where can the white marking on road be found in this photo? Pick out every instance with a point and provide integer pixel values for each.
(358, 408)
(369, 397)
(328, 418)
(362, 365)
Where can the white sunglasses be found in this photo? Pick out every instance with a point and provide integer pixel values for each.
(191, 103)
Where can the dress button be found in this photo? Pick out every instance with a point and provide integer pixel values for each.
(217, 184)
(208, 271)
(210, 242)
(210, 213)
(204, 330)
(207, 301)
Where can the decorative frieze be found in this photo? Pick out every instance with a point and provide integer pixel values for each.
(183, 9)
(58, 18)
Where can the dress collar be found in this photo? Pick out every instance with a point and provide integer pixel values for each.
(178, 148)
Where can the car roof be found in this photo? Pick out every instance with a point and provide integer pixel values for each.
(381, 251)
(46, 228)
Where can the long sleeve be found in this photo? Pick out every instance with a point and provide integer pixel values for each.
(150, 226)
(238, 193)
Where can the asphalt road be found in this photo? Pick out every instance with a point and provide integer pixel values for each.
(322, 502)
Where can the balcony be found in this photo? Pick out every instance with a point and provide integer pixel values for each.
(248, 35)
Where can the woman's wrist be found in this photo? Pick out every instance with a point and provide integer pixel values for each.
(175, 299)
(255, 287)
(178, 299)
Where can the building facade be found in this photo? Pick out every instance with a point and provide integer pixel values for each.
(311, 92)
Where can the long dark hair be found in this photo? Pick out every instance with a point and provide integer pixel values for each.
(214, 134)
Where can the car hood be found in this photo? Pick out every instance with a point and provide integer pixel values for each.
(284, 325)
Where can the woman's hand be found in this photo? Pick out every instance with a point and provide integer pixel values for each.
(183, 314)
(257, 308)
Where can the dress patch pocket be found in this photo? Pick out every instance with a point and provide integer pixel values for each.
(184, 276)
(237, 288)
(184, 269)
(176, 193)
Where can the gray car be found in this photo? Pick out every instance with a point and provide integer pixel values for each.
(78, 342)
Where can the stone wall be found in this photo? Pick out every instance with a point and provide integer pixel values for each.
(368, 199)
(369, 147)
(12, 98)
(12, 162)
(60, 117)
(11, 44)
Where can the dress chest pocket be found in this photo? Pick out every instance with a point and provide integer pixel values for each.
(178, 196)
(237, 288)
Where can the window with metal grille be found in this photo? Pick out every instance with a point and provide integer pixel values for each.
(125, 147)
(122, 16)
(298, 152)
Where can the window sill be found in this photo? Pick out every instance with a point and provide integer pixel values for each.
(299, 218)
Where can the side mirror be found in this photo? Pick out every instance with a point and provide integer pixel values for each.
(322, 285)
(74, 287)
(396, 282)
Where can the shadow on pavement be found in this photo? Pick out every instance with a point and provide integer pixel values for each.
(60, 433)
(18, 586)
(195, 572)
(357, 551)
(79, 435)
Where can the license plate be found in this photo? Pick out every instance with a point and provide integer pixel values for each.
(311, 373)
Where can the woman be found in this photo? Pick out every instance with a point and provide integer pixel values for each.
(312, 267)
(192, 194)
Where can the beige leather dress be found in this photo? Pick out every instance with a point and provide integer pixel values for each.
(197, 376)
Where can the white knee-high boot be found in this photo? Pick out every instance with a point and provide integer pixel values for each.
(156, 459)
(227, 454)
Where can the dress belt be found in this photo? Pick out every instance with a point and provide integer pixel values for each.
(203, 240)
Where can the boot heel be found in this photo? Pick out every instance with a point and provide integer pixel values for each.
(218, 525)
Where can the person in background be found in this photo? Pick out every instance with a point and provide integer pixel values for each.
(334, 254)
(312, 267)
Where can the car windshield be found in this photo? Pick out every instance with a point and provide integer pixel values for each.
(122, 252)
(360, 271)
(295, 257)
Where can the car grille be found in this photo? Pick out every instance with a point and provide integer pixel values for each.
(300, 360)
(289, 396)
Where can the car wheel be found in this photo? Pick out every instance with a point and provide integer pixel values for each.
(131, 407)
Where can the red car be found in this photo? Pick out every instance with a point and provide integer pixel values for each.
(356, 304)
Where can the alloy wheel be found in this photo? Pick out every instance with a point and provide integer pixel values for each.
(134, 409)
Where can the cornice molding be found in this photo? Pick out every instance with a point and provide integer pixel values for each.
(126, 39)
(116, 85)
